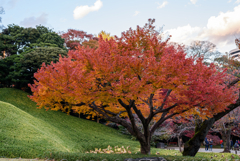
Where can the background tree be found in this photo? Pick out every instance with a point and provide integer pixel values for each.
(204, 49)
(14, 38)
(27, 49)
(135, 74)
(237, 41)
(203, 126)
(226, 125)
(5, 69)
(74, 38)
(105, 35)
(28, 62)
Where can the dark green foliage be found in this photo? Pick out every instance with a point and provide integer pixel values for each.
(25, 50)
(51, 38)
(5, 69)
(28, 62)
(14, 38)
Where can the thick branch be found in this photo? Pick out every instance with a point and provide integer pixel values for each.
(68, 104)
(139, 114)
(137, 132)
(230, 108)
(115, 119)
(163, 118)
(233, 82)
(165, 110)
(165, 99)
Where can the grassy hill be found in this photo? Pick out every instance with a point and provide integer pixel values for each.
(30, 132)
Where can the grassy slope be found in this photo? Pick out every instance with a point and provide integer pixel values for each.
(26, 130)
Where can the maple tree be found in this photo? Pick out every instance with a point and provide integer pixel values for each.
(138, 73)
(74, 38)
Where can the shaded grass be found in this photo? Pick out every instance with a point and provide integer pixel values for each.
(28, 132)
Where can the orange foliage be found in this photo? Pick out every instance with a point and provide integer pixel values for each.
(132, 68)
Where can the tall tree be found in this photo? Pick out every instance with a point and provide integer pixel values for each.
(14, 38)
(28, 62)
(137, 73)
(44, 45)
(5, 69)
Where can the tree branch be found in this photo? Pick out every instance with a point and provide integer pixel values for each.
(136, 131)
(115, 119)
(165, 99)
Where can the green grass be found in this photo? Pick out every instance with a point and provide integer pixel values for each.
(28, 132)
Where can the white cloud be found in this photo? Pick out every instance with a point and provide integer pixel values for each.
(184, 34)
(136, 13)
(163, 4)
(81, 11)
(220, 30)
(237, 1)
(223, 27)
(229, 1)
(33, 21)
(193, 1)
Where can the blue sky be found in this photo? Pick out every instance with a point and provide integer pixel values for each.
(217, 21)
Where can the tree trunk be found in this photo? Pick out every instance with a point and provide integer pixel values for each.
(98, 119)
(145, 140)
(226, 140)
(192, 146)
(145, 147)
(179, 144)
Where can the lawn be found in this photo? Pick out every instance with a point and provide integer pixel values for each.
(28, 132)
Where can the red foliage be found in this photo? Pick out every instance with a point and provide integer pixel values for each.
(74, 38)
(129, 75)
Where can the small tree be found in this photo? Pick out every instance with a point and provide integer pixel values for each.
(135, 74)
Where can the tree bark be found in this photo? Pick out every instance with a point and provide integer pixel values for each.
(98, 119)
(192, 146)
(145, 147)
(179, 144)
(226, 140)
